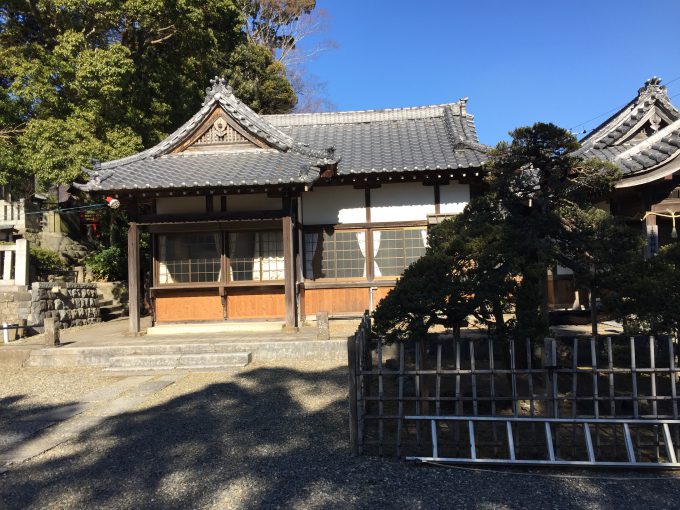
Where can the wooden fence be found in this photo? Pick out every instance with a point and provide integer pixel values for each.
(576, 377)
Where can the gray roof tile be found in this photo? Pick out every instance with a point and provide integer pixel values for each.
(614, 139)
(407, 139)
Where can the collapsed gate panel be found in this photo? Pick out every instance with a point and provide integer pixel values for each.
(549, 441)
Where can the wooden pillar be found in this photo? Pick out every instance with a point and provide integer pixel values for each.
(289, 265)
(133, 277)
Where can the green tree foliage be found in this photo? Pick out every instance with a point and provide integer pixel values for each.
(644, 294)
(260, 80)
(91, 78)
(108, 263)
(540, 208)
(426, 295)
(277, 24)
(45, 262)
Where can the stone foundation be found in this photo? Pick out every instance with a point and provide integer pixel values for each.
(70, 304)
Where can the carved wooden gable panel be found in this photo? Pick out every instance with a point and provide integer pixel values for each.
(219, 132)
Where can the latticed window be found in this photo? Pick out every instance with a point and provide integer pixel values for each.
(256, 256)
(189, 258)
(333, 254)
(395, 250)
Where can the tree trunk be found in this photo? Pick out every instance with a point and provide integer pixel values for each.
(424, 384)
(498, 317)
(593, 311)
(593, 301)
(544, 301)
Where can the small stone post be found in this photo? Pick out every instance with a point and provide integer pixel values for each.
(323, 329)
(51, 332)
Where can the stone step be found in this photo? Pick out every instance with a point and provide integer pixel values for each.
(152, 371)
(231, 326)
(178, 361)
(101, 356)
(266, 348)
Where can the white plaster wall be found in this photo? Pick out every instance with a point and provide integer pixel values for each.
(408, 201)
(331, 205)
(180, 205)
(453, 198)
(253, 202)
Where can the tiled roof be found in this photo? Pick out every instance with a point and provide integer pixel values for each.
(394, 140)
(619, 141)
(244, 168)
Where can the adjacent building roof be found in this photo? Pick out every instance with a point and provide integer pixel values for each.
(227, 144)
(643, 138)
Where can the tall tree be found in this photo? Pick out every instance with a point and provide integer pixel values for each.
(290, 29)
(540, 208)
(105, 79)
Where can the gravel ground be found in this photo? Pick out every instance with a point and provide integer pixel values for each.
(276, 437)
(35, 388)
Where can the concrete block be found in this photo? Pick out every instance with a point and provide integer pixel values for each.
(323, 328)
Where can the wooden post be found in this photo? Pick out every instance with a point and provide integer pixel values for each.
(133, 277)
(289, 265)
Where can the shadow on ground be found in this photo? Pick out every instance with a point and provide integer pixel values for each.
(275, 437)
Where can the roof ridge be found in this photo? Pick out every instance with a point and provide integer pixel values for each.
(651, 91)
(371, 110)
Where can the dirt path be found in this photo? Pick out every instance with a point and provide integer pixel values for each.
(268, 437)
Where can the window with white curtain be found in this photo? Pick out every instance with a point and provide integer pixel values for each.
(395, 250)
(189, 258)
(335, 254)
(256, 256)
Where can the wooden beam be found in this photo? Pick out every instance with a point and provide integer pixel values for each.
(133, 277)
(289, 266)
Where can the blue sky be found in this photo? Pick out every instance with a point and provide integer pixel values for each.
(519, 61)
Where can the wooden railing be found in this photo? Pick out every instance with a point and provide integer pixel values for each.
(14, 263)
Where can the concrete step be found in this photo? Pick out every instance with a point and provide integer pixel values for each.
(101, 356)
(111, 312)
(231, 326)
(179, 361)
(262, 349)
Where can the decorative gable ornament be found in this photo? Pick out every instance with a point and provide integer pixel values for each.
(220, 127)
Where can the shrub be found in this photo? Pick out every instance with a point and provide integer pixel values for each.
(45, 262)
(108, 264)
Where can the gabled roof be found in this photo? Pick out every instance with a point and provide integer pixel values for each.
(286, 147)
(273, 157)
(643, 138)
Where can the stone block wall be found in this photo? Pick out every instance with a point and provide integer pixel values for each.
(71, 304)
(14, 306)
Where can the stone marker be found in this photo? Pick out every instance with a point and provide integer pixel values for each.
(323, 329)
(51, 332)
